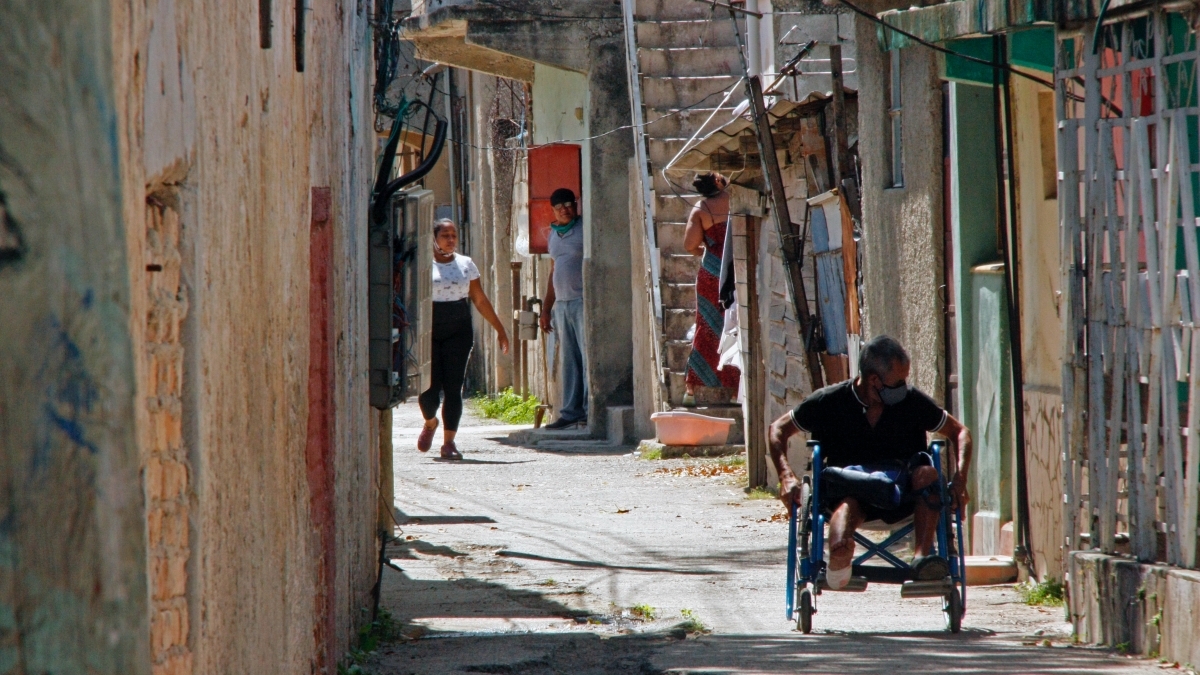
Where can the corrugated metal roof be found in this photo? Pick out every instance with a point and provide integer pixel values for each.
(962, 18)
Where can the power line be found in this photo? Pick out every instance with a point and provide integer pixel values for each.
(601, 135)
(984, 62)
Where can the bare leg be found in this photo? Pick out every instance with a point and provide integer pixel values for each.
(846, 519)
(448, 436)
(925, 519)
(431, 424)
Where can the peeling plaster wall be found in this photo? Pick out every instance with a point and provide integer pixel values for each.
(157, 173)
(902, 244)
(73, 595)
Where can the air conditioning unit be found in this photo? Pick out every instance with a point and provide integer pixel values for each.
(400, 314)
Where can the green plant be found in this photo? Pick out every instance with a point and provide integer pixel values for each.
(649, 452)
(1049, 593)
(549, 582)
(644, 612)
(692, 623)
(1124, 647)
(732, 460)
(507, 406)
(761, 492)
(384, 628)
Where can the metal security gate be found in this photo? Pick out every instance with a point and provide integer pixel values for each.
(1129, 160)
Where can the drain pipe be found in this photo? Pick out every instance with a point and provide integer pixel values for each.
(1006, 200)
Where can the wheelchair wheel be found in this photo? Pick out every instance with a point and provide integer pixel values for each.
(953, 610)
(805, 613)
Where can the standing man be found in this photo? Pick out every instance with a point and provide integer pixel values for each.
(564, 303)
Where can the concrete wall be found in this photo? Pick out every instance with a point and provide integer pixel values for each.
(1149, 610)
(73, 593)
(1041, 323)
(192, 214)
(902, 227)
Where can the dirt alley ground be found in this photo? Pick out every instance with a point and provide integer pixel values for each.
(518, 560)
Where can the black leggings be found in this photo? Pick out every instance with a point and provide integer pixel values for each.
(453, 337)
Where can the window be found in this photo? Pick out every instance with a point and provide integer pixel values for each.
(895, 102)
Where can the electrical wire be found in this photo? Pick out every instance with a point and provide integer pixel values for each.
(591, 138)
(983, 62)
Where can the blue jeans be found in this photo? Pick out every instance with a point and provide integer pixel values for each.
(572, 339)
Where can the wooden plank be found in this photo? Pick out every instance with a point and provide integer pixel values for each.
(1141, 511)
(1154, 304)
(850, 269)
(1100, 527)
(1073, 393)
(1114, 358)
(830, 290)
(1172, 452)
(754, 386)
(1191, 497)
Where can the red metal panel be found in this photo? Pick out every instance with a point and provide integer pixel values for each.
(319, 448)
(550, 167)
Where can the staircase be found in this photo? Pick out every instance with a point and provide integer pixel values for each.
(687, 57)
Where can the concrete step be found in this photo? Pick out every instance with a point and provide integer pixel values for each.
(674, 208)
(661, 151)
(715, 402)
(683, 92)
(678, 352)
(694, 33)
(677, 451)
(679, 296)
(670, 235)
(671, 123)
(689, 61)
(663, 10)
(680, 268)
(677, 322)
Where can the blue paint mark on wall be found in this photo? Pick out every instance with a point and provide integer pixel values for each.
(70, 394)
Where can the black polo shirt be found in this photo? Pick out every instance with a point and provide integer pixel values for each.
(838, 419)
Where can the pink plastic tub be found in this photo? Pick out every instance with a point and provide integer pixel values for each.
(684, 428)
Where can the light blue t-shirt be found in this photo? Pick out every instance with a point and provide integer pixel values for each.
(566, 250)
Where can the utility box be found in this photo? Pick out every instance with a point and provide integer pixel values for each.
(413, 216)
(550, 167)
(399, 313)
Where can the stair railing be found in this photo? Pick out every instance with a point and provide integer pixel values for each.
(639, 136)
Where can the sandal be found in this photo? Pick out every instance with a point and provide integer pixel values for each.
(425, 440)
(689, 400)
(449, 451)
(930, 568)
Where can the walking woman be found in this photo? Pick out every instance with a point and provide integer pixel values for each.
(705, 237)
(455, 280)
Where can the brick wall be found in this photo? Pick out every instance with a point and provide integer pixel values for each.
(166, 472)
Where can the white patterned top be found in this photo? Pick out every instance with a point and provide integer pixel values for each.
(452, 280)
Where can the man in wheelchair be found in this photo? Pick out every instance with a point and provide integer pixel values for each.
(872, 431)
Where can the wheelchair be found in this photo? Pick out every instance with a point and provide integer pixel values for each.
(806, 553)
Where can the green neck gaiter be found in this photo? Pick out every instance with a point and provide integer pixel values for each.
(563, 229)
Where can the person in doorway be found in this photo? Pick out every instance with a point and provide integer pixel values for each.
(705, 237)
(876, 423)
(455, 281)
(562, 308)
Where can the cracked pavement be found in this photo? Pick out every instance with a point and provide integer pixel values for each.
(519, 560)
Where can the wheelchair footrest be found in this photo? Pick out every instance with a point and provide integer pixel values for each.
(881, 574)
(926, 589)
(855, 585)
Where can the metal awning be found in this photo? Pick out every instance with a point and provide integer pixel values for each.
(963, 18)
(734, 137)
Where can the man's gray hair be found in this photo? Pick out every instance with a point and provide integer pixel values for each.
(879, 355)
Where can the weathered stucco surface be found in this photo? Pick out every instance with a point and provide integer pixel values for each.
(160, 168)
(72, 543)
(902, 227)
